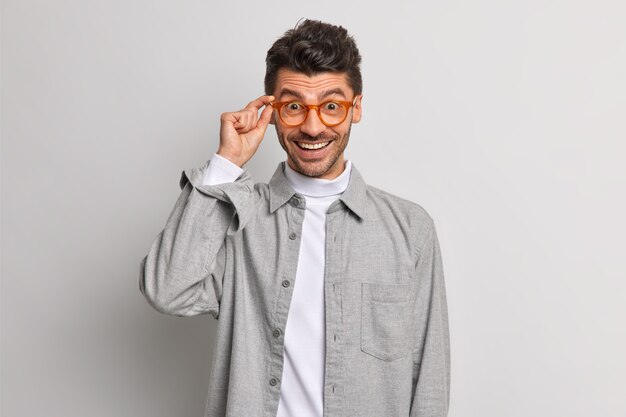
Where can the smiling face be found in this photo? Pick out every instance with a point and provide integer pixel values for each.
(314, 149)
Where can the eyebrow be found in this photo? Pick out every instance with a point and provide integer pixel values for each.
(286, 91)
(338, 91)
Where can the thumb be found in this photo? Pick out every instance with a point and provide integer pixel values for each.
(264, 120)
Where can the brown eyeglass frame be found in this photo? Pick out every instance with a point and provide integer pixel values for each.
(347, 104)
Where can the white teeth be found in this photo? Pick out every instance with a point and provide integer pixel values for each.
(312, 146)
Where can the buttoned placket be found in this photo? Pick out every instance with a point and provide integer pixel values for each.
(335, 363)
(294, 212)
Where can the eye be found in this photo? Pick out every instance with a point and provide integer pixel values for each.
(331, 106)
(294, 106)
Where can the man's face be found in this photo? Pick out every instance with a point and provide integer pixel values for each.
(328, 161)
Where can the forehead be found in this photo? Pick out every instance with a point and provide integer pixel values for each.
(313, 86)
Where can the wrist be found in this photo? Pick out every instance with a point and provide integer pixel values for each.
(221, 170)
(237, 161)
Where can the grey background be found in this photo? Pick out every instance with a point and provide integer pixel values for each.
(504, 119)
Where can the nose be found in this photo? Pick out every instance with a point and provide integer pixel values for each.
(312, 126)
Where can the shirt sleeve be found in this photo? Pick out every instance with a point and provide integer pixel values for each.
(183, 272)
(431, 397)
(221, 171)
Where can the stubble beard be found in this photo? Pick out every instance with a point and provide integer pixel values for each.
(314, 170)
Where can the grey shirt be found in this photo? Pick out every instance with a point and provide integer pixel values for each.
(231, 250)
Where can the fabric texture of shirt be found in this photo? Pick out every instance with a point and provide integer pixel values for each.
(231, 250)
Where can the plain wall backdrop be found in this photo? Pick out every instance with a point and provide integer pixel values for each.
(504, 119)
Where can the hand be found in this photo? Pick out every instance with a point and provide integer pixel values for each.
(242, 131)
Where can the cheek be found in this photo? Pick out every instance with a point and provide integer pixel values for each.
(279, 132)
(289, 133)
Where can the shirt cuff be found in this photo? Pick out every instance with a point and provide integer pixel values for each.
(220, 171)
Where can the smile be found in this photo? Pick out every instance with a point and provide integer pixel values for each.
(318, 145)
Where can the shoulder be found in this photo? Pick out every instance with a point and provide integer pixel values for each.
(262, 190)
(412, 217)
(409, 209)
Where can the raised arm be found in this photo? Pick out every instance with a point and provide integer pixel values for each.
(183, 272)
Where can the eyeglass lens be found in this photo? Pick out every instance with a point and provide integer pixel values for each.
(331, 113)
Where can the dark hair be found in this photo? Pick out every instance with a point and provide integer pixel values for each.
(311, 48)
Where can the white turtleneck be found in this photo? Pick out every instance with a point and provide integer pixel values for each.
(302, 382)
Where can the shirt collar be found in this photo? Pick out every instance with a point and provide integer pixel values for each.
(354, 197)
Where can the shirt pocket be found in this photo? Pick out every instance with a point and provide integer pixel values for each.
(387, 320)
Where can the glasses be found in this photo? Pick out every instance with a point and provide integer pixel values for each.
(331, 113)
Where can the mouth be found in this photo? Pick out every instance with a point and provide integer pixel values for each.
(312, 146)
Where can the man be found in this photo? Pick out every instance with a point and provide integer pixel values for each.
(329, 293)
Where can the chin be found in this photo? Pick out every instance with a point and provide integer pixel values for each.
(313, 169)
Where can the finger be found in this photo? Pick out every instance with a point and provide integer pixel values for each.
(247, 121)
(238, 120)
(264, 120)
(259, 102)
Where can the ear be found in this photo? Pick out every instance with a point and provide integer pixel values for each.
(272, 117)
(357, 109)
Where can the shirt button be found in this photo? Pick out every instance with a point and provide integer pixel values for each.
(273, 382)
(292, 236)
(286, 283)
(276, 332)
